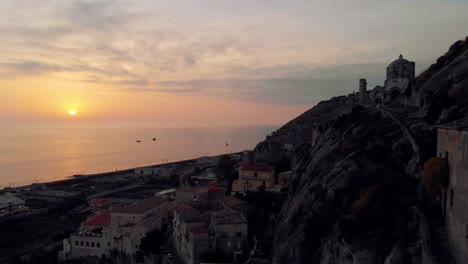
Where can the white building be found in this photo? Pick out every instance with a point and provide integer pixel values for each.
(10, 204)
(122, 230)
(93, 239)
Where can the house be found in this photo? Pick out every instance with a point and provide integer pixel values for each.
(10, 204)
(452, 143)
(201, 197)
(93, 239)
(185, 194)
(229, 230)
(127, 223)
(235, 204)
(253, 178)
(189, 235)
(121, 229)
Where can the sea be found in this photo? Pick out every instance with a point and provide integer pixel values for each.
(37, 154)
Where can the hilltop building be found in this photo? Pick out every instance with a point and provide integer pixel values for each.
(399, 74)
(253, 177)
(452, 143)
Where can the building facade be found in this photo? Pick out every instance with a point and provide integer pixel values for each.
(253, 177)
(229, 230)
(452, 143)
(188, 240)
(120, 230)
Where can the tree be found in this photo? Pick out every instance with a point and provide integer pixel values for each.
(226, 167)
(153, 241)
(435, 174)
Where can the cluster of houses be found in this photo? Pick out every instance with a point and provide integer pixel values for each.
(202, 220)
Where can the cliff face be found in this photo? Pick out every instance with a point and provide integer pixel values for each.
(356, 187)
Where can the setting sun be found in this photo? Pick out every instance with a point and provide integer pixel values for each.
(72, 112)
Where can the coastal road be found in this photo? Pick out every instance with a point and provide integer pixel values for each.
(97, 195)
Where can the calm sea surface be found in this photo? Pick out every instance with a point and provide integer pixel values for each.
(40, 154)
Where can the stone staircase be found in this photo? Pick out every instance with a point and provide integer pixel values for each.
(440, 244)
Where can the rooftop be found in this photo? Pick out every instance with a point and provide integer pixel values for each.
(101, 201)
(141, 206)
(188, 214)
(229, 216)
(151, 221)
(215, 190)
(232, 201)
(99, 220)
(199, 230)
(460, 124)
(7, 199)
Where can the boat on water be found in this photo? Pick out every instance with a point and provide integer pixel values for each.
(154, 139)
(138, 141)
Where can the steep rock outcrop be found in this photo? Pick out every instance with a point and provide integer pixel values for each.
(356, 189)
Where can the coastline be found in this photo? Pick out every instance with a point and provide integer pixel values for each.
(79, 178)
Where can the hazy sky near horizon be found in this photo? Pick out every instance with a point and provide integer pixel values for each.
(208, 62)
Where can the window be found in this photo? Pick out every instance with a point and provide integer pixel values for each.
(451, 198)
(255, 174)
(76, 243)
(87, 244)
(92, 244)
(82, 243)
(98, 245)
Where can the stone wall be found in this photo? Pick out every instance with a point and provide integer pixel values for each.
(452, 144)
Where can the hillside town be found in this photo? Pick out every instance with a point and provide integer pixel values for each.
(202, 220)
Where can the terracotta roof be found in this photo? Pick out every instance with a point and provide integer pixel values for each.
(229, 216)
(151, 221)
(460, 124)
(231, 201)
(188, 214)
(253, 167)
(101, 201)
(199, 230)
(215, 190)
(141, 206)
(99, 220)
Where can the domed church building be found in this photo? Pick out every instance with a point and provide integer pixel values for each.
(399, 73)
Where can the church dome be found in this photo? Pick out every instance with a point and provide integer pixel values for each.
(401, 68)
(400, 60)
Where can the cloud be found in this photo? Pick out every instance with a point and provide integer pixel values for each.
(299, 85)
(30, 67)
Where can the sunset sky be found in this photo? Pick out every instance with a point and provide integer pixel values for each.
(206, 62)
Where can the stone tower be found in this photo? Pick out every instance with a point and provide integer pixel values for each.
(362, 91)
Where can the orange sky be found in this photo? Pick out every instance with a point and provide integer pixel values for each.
(199, 62)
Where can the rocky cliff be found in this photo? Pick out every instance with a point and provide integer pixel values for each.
(356, 192)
